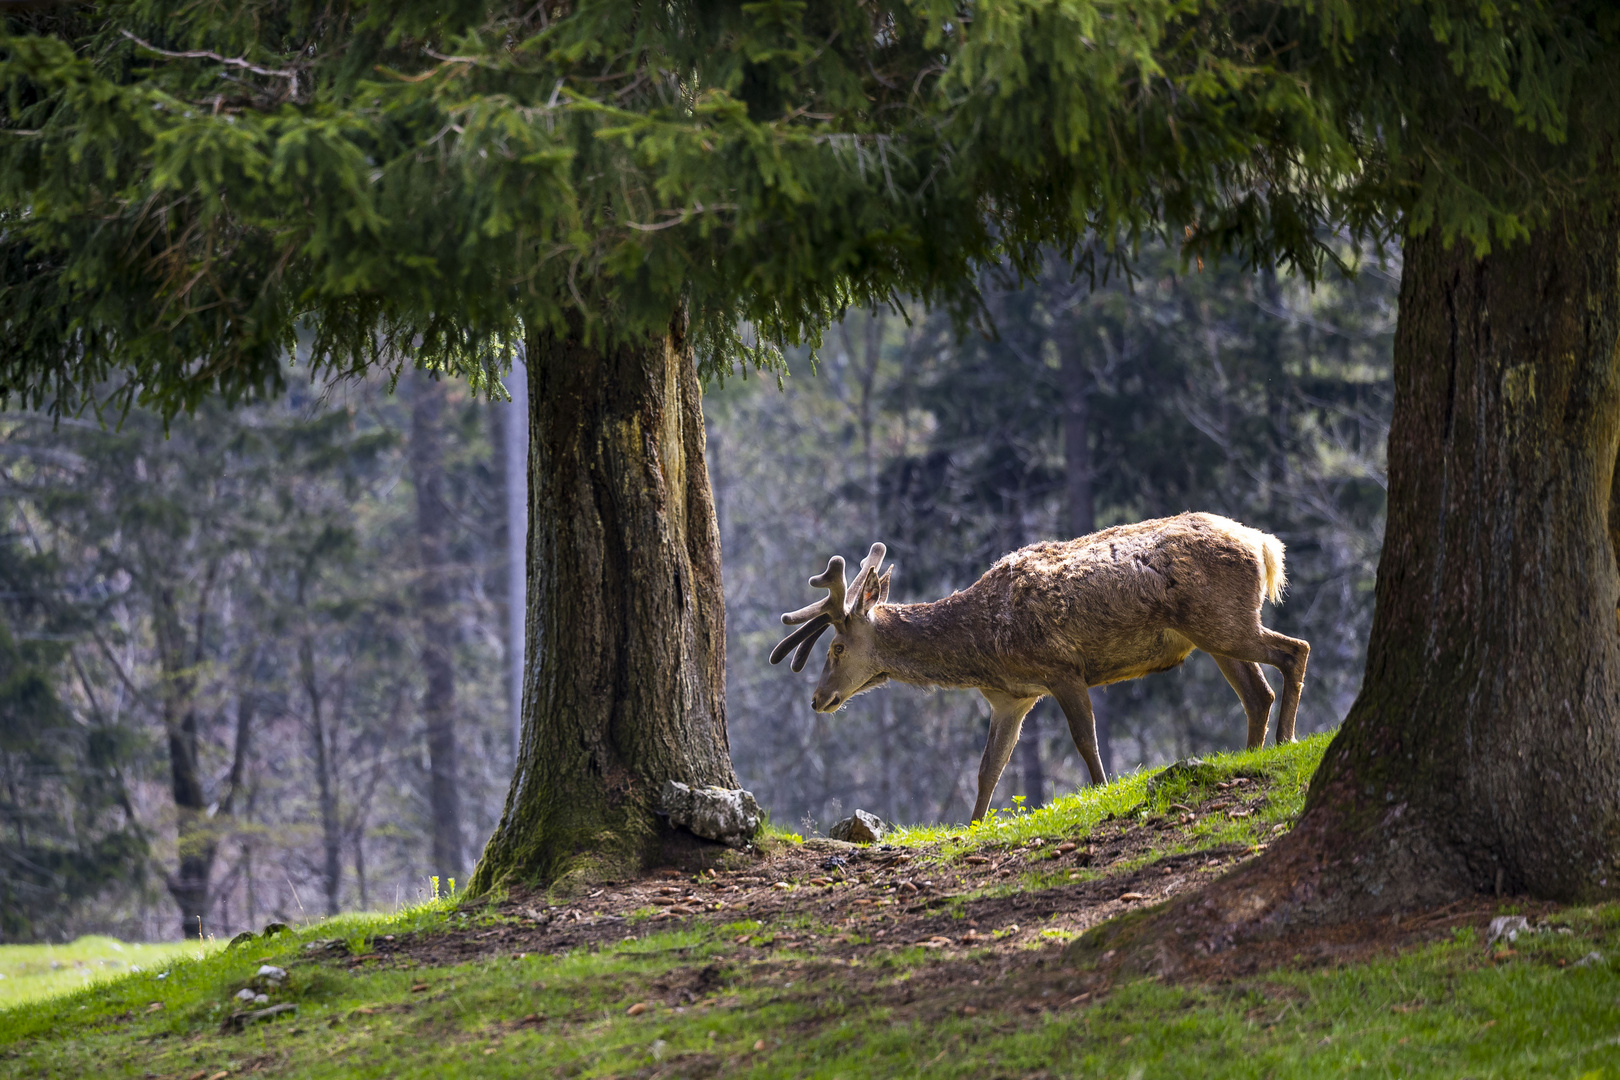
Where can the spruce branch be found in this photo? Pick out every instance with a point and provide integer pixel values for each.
(204, 54)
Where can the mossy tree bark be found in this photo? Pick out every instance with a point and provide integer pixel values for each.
(625, 679)
(1483, 753)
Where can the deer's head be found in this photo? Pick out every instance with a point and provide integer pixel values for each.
(852, 660)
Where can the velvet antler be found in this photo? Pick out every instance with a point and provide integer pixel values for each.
(867, 572)
(830, 610)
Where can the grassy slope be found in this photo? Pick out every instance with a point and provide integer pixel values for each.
(33, 972)
(1446, 1009)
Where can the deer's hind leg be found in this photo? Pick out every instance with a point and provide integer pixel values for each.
(1262, 646)
(1074, 697)
(1253, 690)
(1006, 720)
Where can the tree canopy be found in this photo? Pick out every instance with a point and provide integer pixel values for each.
(185, 190)
(182, 188)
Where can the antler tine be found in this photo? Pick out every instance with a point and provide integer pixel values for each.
(869, 565)
(805, 634)
(831, 579)
(803, 655)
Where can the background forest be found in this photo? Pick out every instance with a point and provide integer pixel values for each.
(260, 664)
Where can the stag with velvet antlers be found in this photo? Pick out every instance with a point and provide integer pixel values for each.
(1059, 617)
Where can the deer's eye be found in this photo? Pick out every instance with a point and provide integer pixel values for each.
(838, 650)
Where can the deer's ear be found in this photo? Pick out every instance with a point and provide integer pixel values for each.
(883, 586)
(872, 592)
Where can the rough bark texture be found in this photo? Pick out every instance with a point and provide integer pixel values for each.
(1483, 750)
(438, 623)
(514, 459)
(1482, 753)
(625, 683)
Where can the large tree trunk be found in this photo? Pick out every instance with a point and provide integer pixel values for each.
(1483, 753)
(514, 456)
(438, 622)
(625, 686)
(1484, 750)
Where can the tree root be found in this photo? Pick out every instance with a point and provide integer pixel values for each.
(1317, 888)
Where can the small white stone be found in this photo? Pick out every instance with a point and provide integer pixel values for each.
(1590, 959)
(244, 994)
(270, 971)
(261, 999)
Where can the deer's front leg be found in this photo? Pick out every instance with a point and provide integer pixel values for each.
(1075, 700)
(1006, 718)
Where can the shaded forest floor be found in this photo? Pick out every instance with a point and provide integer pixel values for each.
(939, 954)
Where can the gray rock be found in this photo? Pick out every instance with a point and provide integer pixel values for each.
(859, 828)
(238, 1021)
(1509, 927)
(728, 815)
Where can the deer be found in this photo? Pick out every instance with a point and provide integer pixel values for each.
(1056, 618)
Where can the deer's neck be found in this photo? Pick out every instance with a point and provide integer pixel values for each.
(937, 644)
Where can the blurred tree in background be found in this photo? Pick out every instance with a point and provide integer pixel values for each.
(68, 832)
(212, 675)
(1239, 393)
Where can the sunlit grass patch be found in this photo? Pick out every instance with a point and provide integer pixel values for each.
(1287, 771)
(787, 999)
(1446, 1010)
(32, 972)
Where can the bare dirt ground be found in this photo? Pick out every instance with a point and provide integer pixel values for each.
(824, 905)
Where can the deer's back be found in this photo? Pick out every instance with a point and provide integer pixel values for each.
(1123, 598)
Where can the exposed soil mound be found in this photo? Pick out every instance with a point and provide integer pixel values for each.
(1000, 909)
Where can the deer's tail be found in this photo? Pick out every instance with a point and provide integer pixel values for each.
(1271, 558)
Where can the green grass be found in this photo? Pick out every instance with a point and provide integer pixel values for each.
(1451, 1009)
(32, 972)
(1284, 770)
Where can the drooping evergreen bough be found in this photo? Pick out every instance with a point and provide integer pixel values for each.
(644, 194)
